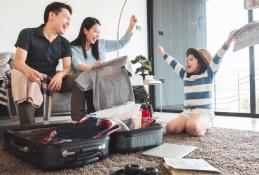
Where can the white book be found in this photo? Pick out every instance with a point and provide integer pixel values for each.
(168, 150)
(189, 165)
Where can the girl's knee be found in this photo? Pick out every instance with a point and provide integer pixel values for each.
(172, 129)
(195, 129)
(176, 126)
(168, 128)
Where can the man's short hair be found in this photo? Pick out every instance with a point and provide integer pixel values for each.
(55, 7)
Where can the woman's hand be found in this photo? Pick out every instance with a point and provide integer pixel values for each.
(160, 50)
(97, 64)
(133, 21)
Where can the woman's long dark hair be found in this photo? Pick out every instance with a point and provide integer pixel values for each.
(88, 23)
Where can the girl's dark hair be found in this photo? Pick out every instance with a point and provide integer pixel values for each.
(55, 7)
(88, 23)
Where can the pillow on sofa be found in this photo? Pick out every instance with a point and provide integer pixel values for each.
(4, 58)
(11, 62)
(3, 69)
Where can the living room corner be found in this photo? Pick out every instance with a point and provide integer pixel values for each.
(165, 31)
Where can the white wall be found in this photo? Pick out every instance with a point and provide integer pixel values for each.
(16, 15)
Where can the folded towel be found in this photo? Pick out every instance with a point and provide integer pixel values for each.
(25, 90)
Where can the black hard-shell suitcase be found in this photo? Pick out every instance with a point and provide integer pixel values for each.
(136, 139)
(22, 143)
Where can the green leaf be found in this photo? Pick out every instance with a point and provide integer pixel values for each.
(145, 64)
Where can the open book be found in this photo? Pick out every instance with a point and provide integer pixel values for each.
(182, 166)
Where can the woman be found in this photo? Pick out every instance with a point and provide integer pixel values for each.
(88, 51)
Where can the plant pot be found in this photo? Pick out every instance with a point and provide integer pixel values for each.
(143, 76)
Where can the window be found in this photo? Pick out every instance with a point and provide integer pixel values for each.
(178, 25)
(256, 56)
(232, 88)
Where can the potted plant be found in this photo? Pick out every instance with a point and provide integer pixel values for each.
(145, 65)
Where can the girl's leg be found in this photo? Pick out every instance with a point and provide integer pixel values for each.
(197, 125)
(177, 125)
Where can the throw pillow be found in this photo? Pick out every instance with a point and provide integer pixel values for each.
(4, 58)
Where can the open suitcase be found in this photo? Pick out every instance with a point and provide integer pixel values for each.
(136, 139)
(23, 143)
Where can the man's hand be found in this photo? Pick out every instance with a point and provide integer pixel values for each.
(33, 75)
(160, 50)
(56, 82)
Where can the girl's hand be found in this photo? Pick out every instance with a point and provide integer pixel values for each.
(230, 37)
(160, 50)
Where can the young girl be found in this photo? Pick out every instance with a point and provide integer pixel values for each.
(88, 52)
(197, 116)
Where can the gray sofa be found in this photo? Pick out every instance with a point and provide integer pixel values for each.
(60, 101)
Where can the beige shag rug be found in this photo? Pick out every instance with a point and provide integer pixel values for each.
(233, 152)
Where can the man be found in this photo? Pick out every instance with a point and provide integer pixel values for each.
(38, 51)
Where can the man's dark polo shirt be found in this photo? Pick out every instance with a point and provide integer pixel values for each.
(43, 55)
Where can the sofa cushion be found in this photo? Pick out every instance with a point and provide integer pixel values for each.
(61, 102)
(4, 58)
(3, 69)
(11, 62)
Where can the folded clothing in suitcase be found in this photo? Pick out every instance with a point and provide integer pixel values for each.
(136, 139)
(24, 144)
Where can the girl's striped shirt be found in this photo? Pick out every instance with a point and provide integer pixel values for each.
(197, 88)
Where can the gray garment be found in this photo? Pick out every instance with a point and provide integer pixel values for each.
(110, 83)
(251, 4)
(246, 36)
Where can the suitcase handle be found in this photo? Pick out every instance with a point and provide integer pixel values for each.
(66, 153)
(19, 147)
(85, 155)
(90, 158)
